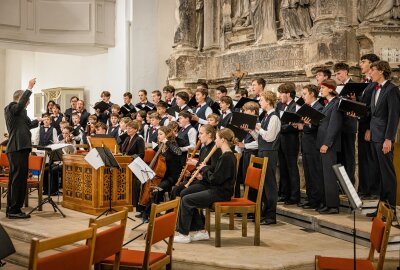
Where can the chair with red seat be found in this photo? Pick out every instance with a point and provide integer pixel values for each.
(77, 258)
(109, 241)
(36, 163)
(159, 228)
(379, 239)
(255, 177)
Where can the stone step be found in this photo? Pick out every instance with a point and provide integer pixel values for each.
(340, 225)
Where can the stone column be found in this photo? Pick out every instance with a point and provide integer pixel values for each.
(211, 24)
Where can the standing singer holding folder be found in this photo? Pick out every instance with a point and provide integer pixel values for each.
(311, 156)
(329, 144)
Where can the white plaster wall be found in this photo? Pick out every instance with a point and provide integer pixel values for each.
(153, 24)
(2, 86)
(95, 73)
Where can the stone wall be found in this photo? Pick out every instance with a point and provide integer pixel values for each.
(286, 45)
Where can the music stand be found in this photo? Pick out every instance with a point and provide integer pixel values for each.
(55, 154)
(354, 200)
(104, 141)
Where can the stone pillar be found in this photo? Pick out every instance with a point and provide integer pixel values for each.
(211, 24)
(331, 14)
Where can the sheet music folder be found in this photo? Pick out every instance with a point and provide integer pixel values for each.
(101, 157)
(347, 105)
(347, 186)
(290, 117)
(353, 88)
(308, 111)
(239, 119)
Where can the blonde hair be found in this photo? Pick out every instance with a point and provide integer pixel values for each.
(227, 135)
(269, 97)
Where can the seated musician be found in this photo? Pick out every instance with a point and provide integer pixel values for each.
(221, 180)
(56, 166)
(133, 144)
(207, 138)
(170, 150)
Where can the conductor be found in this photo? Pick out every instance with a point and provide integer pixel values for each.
(18, 148)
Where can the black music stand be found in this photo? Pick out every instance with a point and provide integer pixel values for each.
(109, 162)
(354, 200)
(54, 155)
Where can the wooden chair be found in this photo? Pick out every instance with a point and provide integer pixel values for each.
(77, 258)
(109, 241)
(148, 155)
(36, 163)
(159, 228)
(379, 239)
(4, 176)
(254, 179)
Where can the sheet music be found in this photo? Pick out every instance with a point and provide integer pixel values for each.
(350, 187)
(142, 171)
(58, 146)
(94, 159)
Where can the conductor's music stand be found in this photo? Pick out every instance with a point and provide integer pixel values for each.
(54, 155)
(354, 200)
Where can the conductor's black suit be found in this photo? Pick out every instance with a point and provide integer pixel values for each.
(18, 148)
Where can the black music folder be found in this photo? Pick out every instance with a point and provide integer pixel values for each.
(353, 88)
(348, 105)
(145, 108)
(102, 106)
(239, 119)
(192, 102)
(216, 108)
(240, 134)
(290, 117)
(125, 110)
(173, 110)
(243, 101)
(299, 101)
(308, 111)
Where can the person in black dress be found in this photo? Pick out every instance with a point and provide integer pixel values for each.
(221, 180)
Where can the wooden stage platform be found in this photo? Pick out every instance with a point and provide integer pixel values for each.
(283, 246)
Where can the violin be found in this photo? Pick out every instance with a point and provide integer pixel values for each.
(158, 165)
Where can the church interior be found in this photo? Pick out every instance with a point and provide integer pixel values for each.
(81, 66)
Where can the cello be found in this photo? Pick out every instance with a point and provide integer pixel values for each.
(159, 167)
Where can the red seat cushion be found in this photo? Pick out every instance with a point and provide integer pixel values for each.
(135, 257)
(378, 229)
(332, 263)
(237, 202)
(108, 242)
(76, 258)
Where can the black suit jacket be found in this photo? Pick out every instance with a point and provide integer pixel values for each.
(309, 136)
(385, 114)
(330, 127)
(363, 122)
(133, 147)
(19, 124)
(223, 122)
(84, 118)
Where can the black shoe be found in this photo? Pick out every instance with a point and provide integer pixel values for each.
(309, 206)
(268, 221)
(21, 215)
(329, 211)
(301, 204)
(281, 199)
(373, 214)
(321, 207)
(290, 202)
(251, 216)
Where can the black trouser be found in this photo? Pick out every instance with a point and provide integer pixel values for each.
(17, 180)
(331, 187)
(368, 173)
(314, 177)
(387, 174)
(270, 193)
(347, 156)
(289, 182)
(194, 197)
